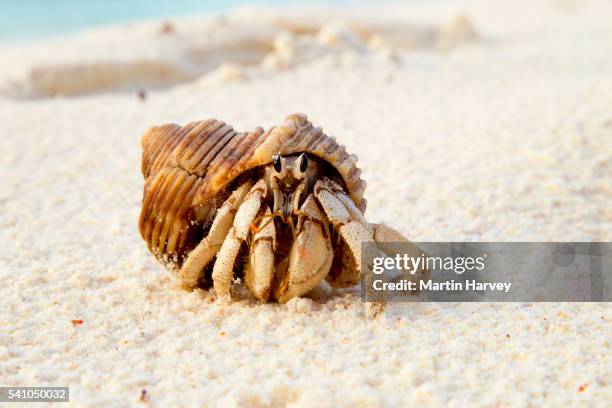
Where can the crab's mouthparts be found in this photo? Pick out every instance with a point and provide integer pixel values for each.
(287, 203)
(290, 204)
(286, 207)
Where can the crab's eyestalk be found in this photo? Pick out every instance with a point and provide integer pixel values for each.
(278, 164)
(299, 171)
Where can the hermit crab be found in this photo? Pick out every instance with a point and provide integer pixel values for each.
(282, 209)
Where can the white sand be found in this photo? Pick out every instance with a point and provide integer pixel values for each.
(507, 136)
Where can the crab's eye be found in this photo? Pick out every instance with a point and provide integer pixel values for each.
(278, 166)
(303, 163)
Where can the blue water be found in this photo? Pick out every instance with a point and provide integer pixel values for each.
(32, 19)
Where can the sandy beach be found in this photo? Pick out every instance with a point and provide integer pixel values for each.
(472, 121)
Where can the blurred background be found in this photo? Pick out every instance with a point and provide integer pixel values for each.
(31, 19)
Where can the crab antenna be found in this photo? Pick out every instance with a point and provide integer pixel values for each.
(255, 227)
(293, 233)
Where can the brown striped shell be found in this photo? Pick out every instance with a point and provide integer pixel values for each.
(190, 169)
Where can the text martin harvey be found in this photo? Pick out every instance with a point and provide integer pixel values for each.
(451, 285)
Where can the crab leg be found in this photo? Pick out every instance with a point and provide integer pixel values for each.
(384, 233)
(311, 254)
(260, 268)
(344, 272)
(345, 217)
(202, 254)
(352, 226)
(223, 271)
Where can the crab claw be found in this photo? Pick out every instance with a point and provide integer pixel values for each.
(310, 257)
